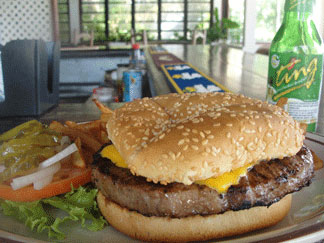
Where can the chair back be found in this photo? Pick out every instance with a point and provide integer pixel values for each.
(199, 34)
(143, 36)
(77, 37)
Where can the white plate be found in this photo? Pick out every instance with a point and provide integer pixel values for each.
(304, 223)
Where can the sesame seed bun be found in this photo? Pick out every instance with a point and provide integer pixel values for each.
(189, 137)
(195, 228)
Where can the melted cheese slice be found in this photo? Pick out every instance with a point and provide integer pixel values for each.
(110, 152)
(220, 183)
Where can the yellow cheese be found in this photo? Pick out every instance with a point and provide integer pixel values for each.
(223, 182)
(110, 152)
(220, 183)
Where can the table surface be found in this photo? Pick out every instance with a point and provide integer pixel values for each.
(240, 72)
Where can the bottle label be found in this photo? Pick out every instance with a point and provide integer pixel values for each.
(297, 77)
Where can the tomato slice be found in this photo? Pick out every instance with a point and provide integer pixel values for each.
(61, 183)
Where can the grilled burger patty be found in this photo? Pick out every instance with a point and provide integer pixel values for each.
(264, 184)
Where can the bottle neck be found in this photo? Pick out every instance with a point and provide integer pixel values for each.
(298, 9)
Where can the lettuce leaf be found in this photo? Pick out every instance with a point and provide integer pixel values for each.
(79, 205)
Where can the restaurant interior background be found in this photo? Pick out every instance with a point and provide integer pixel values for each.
(106, 27)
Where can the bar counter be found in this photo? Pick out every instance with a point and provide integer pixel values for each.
(238, 71)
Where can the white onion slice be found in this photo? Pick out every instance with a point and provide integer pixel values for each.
(2, 168)
(41, 183)
(23, 181)
(57, 157)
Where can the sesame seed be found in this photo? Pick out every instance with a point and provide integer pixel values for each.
(194, 147)
(185, 147)
(162, 136)
(228, 135)
(185, 134)
(229, 124)
(145, 138)
(252, 123)
(181, 142)
(205, 142)
(216, 124)
(202, 134)
(194, 131)
(208, 150)
(210, 136)
(180, 127)
(172, 155)
(196, 140)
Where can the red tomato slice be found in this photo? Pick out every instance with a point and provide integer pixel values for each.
(61, 183)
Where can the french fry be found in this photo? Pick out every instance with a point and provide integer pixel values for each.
(78, 159)
(73, 133)
(88, 156)
(71, 124)
(282, 101)
(104, 137)
(102, 107)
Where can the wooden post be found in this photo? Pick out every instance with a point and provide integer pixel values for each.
(55, 17)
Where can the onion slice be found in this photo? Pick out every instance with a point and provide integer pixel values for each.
(41, 183)
(57, 157)
(37, 176)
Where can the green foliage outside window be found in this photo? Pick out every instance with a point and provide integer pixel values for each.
(219, 30)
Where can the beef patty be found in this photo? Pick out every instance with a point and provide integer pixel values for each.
(264, 184)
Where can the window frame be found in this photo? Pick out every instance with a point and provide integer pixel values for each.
(185, 30)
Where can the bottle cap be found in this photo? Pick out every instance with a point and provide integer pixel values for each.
(135, 46)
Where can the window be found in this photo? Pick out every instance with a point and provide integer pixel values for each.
(162, 19)
(146, 17)
(269, 18)
(236, 13)
(198, 14)
(119, 20)
(172, 18)
(64, 20)
(92, 14)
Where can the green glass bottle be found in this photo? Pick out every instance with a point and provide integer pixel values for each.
(296, 63)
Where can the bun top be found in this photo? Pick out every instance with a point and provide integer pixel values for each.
(189, 137)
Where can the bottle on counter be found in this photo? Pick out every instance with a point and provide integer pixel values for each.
(296, 63)
(133, 76)
(137, 60)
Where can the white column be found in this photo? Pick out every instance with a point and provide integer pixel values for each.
(74, 12)
(319, 17)
(249, 26)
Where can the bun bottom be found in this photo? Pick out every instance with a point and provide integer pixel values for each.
(195, 228)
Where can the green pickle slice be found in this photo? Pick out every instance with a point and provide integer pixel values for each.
(24, 147)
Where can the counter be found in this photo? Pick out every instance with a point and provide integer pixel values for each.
(239, 71)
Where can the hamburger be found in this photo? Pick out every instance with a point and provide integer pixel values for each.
(193, 167)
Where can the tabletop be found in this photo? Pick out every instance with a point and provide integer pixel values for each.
(239, 71)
